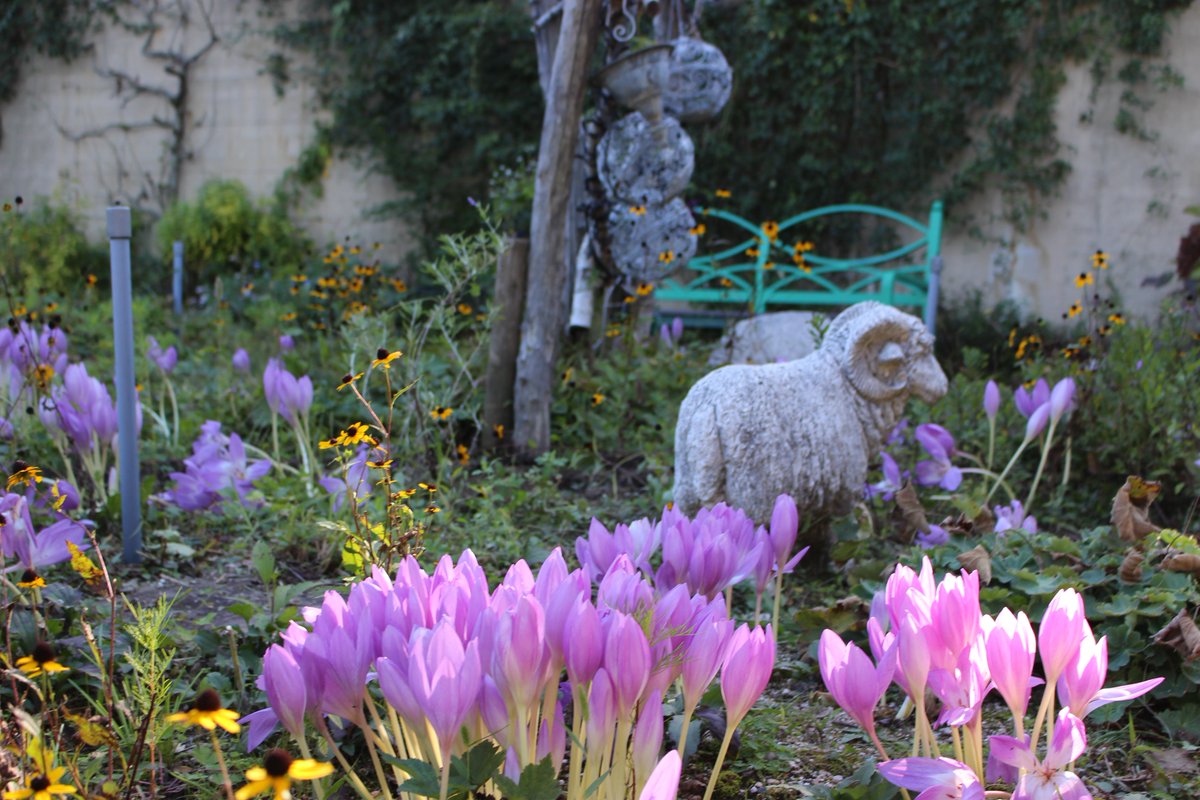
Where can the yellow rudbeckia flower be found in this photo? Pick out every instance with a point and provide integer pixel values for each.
(208, 713)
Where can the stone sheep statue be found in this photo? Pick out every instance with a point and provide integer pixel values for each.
(808, 428)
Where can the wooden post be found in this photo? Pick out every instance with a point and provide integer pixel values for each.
(509, 300)
(545, 297)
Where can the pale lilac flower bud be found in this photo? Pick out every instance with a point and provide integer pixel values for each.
(1037, 422)
(241, 360)
(991, 399)
(1061, 397)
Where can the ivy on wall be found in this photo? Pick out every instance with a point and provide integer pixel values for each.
(877, 99)
(437, 95)
(55, 28)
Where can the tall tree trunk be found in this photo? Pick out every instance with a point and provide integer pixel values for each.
(505, 340)
(545, 306)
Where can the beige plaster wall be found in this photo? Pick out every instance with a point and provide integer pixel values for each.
(1124, 195)
(239, 127)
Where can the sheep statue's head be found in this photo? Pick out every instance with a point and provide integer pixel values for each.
(886, 355)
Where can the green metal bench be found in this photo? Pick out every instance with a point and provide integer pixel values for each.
(763, 270)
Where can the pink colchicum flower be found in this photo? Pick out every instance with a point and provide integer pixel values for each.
(934, 778)
(1010, 653)
(747, 668)
(1047, 779)
(855, 683)
(663, 783)
(1060, 632)
(1081, 681)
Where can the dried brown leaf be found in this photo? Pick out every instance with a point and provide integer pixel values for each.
(959, 525)
(985, 521)
(1131, 568)
(978, 559)
(912, 515)
(1131, 506)
(1182, 635)
(1182, 562)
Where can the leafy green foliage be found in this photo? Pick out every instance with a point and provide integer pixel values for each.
(45, 253)
(869, 101)
(448, 92)
(225, 231)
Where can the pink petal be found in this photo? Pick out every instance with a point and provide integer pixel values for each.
(1013, 752)
(1068, 743)
(1117, 694)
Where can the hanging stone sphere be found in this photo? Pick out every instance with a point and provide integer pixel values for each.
(699, 81)
(649, 242)
(639, 167)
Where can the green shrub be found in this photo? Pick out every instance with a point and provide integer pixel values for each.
(224, 231)
(45, 253)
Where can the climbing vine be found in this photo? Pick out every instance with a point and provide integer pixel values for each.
(888, 101)
(437, 95)
(877, 100)
(55, 28)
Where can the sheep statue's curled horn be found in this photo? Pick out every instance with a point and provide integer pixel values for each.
(808, 428)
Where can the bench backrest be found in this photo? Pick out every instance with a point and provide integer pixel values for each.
(768, 269)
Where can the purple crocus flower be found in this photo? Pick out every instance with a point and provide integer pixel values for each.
(31, 548)
(163, 359)
(991, 399)
(283, 681)
(271, 384)
(1061, 398)
(1027, 402)
(892, 481)
(241, 360)
(445, 678)
(934, 537)
(938, 442)
(286, 343)
(1012, 517)
(627, 660)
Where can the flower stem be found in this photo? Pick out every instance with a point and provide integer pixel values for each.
(1041, 465)
(683, 729)
(716, 773)
(318, 783)
(355, 781)
(1007, 468)
(778, 597)
(221, 762)
(991, 441)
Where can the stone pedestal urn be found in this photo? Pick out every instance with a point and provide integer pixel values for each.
(637, 81)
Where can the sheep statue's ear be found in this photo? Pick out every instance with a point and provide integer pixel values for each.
(876, 361)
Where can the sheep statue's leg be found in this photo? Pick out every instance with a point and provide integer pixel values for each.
(699, 460)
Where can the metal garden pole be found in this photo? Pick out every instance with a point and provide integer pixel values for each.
(177, 279)
(120, 229)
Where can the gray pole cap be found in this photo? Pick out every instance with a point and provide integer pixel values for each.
(120, 222)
